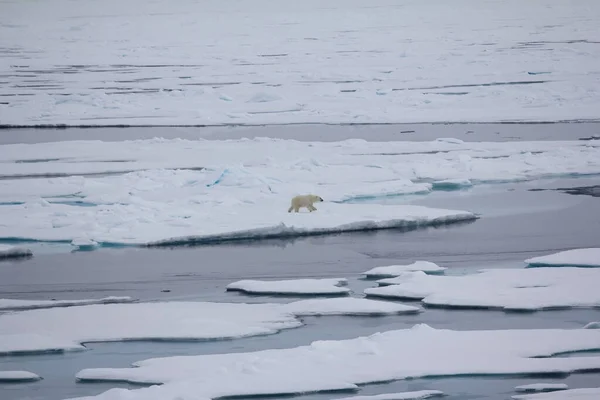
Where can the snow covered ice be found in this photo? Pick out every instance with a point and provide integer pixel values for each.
(571, 394)
(66, 329)
(282, 62)
(569, 258)
(183, 191)
(335, 365)
(17, 304)
(18, 376)
(541, 387)
(396, 270)
(7, 251)
(292, 286)
(416, 395)
(508, 289)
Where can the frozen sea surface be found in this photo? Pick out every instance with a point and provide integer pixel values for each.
(288, 62)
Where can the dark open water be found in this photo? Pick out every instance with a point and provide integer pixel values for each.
(517, 223)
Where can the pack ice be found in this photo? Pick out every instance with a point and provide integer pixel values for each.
(508, 289)
(540, 69)
(179, 191)
(569, 258)
(421, 351)
(67, 329)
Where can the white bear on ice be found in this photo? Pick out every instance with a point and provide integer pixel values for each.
(306, 200)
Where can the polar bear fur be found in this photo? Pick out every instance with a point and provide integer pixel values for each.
(306, 200)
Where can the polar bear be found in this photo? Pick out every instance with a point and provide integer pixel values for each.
(306, 200)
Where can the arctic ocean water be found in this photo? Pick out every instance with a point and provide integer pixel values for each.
(519, 223)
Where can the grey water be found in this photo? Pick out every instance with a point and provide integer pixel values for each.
(518, 221)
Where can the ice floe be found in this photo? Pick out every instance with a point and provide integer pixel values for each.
(18, 376)
(541, 387)
(284, 75)
(66, 329)
(7, 251)
(17, 304)
(421, 351)
(570, 394)
(508, 289)
(330, 286)
(569, 258)
(183, 191)
(416, 395)
(396, 270)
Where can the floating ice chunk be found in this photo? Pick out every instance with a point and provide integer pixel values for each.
(396, 270)
(416, 395)
(14, 304)
(84, 243)
(344, 364)
(65, 329)
(542, 387)
(451, 184)
(592, 325)
(292, 286)
(508, 289)
(7, 251)
(18, 376)
(348, 306)
(570, 258)
(570, 394)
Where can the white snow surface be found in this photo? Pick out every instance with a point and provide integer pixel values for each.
(541, 387)
(68, 328)
(242, 188)
(18, 376)
(292, 286)
(571, 394)
(419, 394)
(17, 304)
(348, 306)
(289, 62)
(396, 270)
(329, 365)
(570, 258)
(8, 251)
(508, 289)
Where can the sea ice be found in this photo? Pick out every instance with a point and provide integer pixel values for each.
(396, 270)
(416, 395)
(15, 304)
(592, 325)
(199, 190)
(18, 376)
(569, 258)
(570, 394)
(7, 251)
(540, 68)
(508, 289)
(68, 328)
(542, 387)
(292, 286)
(421, 351)
(348, 306)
